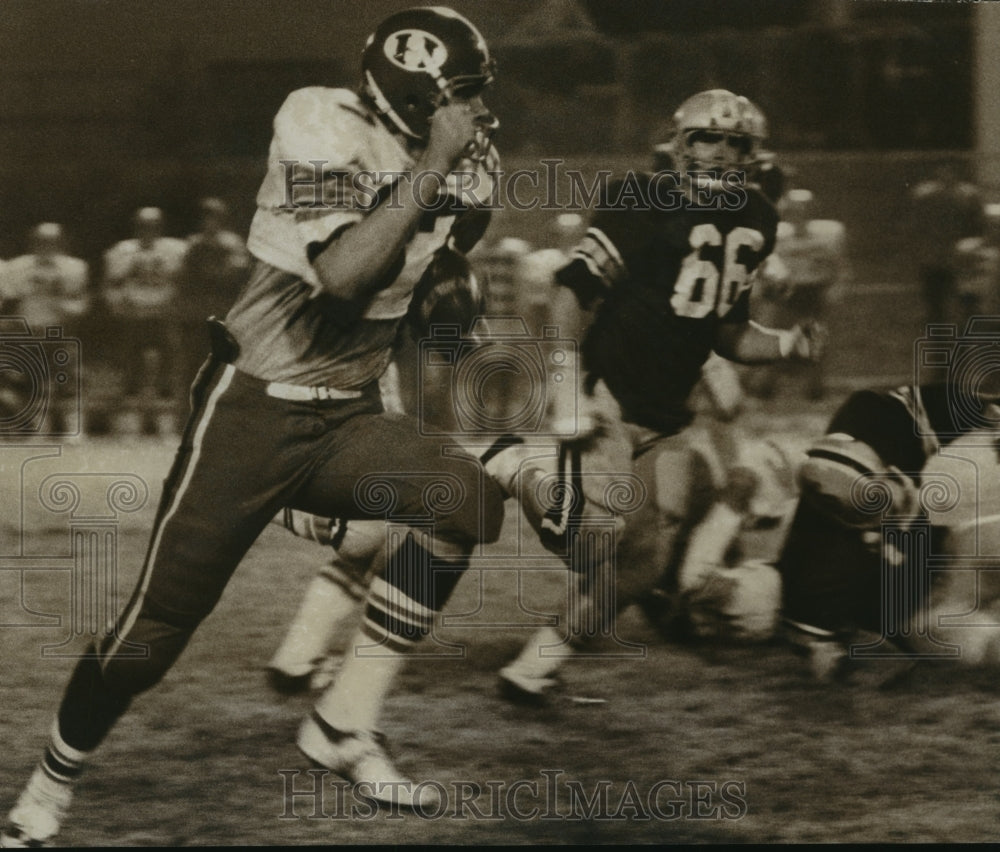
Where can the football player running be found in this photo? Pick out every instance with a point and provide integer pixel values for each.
(287, 412)
(659, 284)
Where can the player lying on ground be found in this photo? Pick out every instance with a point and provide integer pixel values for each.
(287, 411)
(862, 534)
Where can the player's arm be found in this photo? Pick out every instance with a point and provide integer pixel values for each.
(617, 233)
(356, 262)
(750, 343)
(76, 296)
(740, 339)
(117, 268)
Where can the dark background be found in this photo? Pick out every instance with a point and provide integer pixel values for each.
(109, 104)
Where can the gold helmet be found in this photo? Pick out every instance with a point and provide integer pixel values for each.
(714, 116)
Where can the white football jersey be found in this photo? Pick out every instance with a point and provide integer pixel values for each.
(329, 157)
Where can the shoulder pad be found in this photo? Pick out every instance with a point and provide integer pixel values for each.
(124, 247)
(322, 123)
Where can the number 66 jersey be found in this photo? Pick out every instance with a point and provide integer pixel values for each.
(662, 272)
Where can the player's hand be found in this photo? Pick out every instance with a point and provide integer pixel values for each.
(454, 129)
(806, 342)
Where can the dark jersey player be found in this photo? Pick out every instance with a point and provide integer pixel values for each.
(663, 277)
(287, 411)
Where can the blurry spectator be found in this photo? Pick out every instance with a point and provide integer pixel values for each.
(806, 273)
(46, 286)
(945, 210)
(140, 288)
(500, 263)
(977, 268)
(214, 271)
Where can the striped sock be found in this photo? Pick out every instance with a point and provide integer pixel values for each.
(399, 612)
(62, 764)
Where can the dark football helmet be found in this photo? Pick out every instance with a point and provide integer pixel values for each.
(416, 60)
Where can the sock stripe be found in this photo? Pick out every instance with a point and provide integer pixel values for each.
(400, 628)
(58, 771)
(62, 759)
(386, 615)
(66, 752)
(380, 636)
(391, 598)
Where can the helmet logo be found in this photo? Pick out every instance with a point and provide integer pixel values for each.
(416, 50)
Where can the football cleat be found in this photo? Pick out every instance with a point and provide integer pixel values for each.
(522, 688)
(34, 821)
(361, 758)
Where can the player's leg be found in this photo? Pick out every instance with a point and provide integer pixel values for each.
(340, 585)
(832, 560)
(208, 517)
(332, 598)
(618, 540)
(438, 504)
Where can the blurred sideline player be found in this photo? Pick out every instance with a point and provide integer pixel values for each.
(803, 277)
(945, 210)
(287, 412)
(49, 289)
(977, 268)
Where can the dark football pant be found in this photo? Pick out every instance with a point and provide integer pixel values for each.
(243, 456)
(832, 578)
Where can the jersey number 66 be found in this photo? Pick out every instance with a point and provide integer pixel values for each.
(697, 291)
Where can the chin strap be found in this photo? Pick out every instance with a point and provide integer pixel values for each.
(384, 108)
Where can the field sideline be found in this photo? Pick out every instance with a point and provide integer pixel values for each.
(690, 745)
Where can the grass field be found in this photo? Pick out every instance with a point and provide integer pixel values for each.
(689, 745)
